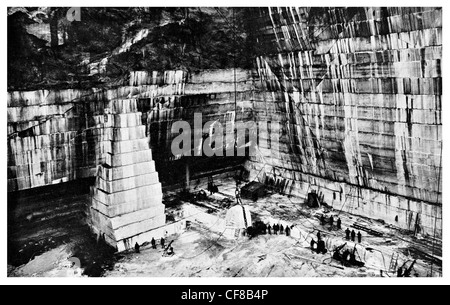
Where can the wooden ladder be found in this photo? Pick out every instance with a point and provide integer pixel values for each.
(394, 261)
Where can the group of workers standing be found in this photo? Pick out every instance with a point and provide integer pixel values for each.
(162, 242)
(331, 222)
(348, 234)
(278, 228)
(353, 235)
(320, 248)
(167, 251)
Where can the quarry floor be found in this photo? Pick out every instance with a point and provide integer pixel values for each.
(202, 251)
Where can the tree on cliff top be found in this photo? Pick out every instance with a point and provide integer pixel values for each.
(46, 51)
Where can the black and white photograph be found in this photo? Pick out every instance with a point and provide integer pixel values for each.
(224, 142)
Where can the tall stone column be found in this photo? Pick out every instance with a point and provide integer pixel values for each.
(126, 200)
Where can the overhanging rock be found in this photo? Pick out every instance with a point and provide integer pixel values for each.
(126, 200)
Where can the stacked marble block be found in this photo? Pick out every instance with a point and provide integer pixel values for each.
(126, 200)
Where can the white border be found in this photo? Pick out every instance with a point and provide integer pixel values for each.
(223, 281)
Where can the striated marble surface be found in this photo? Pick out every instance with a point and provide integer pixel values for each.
(359, 92)
(58, 136)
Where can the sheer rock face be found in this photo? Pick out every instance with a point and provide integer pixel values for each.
(56, 136)
(359, 93)
(127, 196)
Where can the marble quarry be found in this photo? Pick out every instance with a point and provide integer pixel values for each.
(357, 93)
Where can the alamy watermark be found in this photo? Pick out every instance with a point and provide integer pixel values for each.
(214, 139)
(73, 14)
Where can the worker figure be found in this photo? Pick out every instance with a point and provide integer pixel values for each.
(345, 256)
(238, 195)
(288, 231)
(347, 234)
(281, 229)
(269, 229)
(331, 221)
(210, 188)
(202, 195)
(275, 229)
(359, 237)
(321, 247)
(353, 235)
(318, 235)
(101, 238)
(322, 220)
(353, 256)
(170, 251)
(136, 248)
(264, 228)
(318, 249)
(312, 243)
(153, 242)
(162, 242)
(338, 224)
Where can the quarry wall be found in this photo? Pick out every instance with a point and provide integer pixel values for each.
(56, 136)
(359, 93)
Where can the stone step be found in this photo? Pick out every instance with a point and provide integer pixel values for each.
(116, 222)
(140, 227)
(119, 160)
(115, 147)
(146, 191)
(122, 172)
(126, 183)
(127, 207)
(104, 224)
